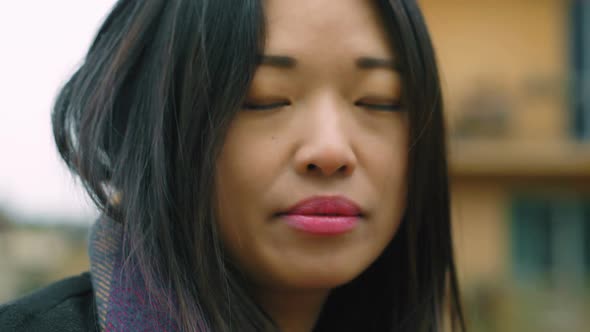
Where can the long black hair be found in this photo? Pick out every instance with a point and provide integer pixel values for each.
(144, 117)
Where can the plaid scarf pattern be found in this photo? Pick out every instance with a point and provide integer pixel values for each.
(122, 301)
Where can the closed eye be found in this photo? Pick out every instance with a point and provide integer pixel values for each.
(379, 106)
(264, 106)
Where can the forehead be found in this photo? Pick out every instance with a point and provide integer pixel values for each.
(332, 28)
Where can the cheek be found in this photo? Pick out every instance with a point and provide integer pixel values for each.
(234, 179)
(245, 169)
(387, 170)
(391, 175)
(386, 161)
(231, 184)
(250, 157)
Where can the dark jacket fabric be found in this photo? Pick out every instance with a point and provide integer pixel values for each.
(65, 306)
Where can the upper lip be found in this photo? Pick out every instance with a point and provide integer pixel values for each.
(325, 205)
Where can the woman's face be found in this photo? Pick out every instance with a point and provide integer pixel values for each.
(321, 121)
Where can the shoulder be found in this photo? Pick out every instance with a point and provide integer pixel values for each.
(66, 305)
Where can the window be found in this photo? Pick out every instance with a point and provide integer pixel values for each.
(531, 238)
(550, 239)
(587, 237)
(580, 69)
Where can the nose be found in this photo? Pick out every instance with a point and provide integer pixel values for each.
(327, 146)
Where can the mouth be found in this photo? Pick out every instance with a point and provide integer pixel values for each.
(323, 215)
(325, 206)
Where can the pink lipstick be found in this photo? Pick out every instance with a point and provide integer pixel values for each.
(323, 215)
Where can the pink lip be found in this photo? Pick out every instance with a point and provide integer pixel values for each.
(323, 215)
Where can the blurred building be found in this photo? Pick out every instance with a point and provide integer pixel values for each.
(34, 254)
(516, 76)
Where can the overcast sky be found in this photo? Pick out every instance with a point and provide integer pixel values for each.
(41, 43)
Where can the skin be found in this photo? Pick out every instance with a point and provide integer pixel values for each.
(326, 127)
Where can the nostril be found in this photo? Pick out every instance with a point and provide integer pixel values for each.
(341, 169)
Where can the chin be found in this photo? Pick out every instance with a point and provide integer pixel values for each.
(322, 276)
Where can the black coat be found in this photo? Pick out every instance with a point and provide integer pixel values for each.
(65, 306)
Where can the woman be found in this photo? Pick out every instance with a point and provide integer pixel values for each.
(260, 166)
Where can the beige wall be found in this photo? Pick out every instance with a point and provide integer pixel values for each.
(518, 45)
(480, 234)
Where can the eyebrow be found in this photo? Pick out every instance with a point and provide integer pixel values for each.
(365, 62)
(372, 63)
(279, 61)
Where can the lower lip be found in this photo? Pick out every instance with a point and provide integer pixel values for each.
(322, 225)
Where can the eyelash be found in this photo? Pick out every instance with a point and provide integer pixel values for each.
(376, 107)
(265, 107)
(379, 107)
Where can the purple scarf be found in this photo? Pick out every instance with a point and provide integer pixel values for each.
(122, 300)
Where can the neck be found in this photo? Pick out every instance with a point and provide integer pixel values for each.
(293, 311)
